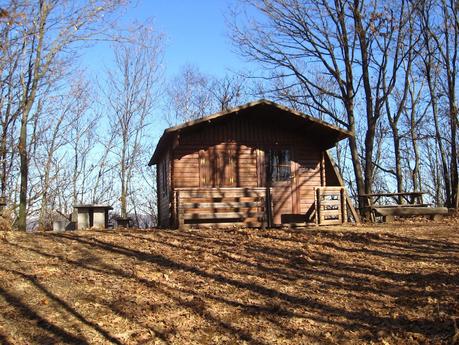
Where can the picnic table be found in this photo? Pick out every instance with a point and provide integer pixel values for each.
(414, 206)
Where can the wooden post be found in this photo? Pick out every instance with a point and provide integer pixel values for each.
(271, 208)
(354, 213)
(343, 205)
(175, 209)
(263, 218)
(317, 203)
(348, 202)
(268, 207)
(322, 169)
(180, 213)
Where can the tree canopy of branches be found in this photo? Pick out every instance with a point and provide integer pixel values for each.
(133, 86)
(50, 154)
(359, 64)
(192, 94)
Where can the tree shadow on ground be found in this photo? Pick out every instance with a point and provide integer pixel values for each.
(355, 319)
(238, 285)
(51, 333)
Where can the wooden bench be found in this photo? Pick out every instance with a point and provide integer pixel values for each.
(388, 213)
(414, 206)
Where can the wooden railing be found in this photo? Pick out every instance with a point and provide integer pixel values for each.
(330, 205)
(220, 207)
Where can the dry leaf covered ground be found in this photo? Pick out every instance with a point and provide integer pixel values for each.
(383, 285)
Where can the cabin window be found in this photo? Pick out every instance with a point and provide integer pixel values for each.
(279, 165)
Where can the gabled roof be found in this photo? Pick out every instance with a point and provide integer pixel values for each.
(338, 133)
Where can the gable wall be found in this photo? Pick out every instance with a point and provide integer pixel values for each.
(248, 139)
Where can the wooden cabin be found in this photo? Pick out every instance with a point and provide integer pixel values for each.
(260, 164)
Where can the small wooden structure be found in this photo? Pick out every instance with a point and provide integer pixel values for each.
(92, 216)
(255, 165)
(413, 206)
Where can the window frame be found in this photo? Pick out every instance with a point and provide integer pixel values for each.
(276, 166)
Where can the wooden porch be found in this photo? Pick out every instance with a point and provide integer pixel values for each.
(219, 207)
(252, 207)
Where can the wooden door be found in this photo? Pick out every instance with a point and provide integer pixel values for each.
(280, 180)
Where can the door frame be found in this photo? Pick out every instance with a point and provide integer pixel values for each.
(264, 163)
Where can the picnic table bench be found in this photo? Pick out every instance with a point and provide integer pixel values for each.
(414, 206)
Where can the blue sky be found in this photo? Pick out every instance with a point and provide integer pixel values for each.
(195, 33)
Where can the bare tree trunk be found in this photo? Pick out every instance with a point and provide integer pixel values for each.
(393, 124)
(370, 117)
(398, 161)
(438, 137)
(356, 165)
(441, 42)
(24, 171)
(124, 182)
(75, 172)
(8, 118)
(415, 176)
(400, 108)
(450, 55)
(28, 98)
(48, 170)
(414, 120)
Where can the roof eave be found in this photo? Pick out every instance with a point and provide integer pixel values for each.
(159, 147)
(342, 133)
